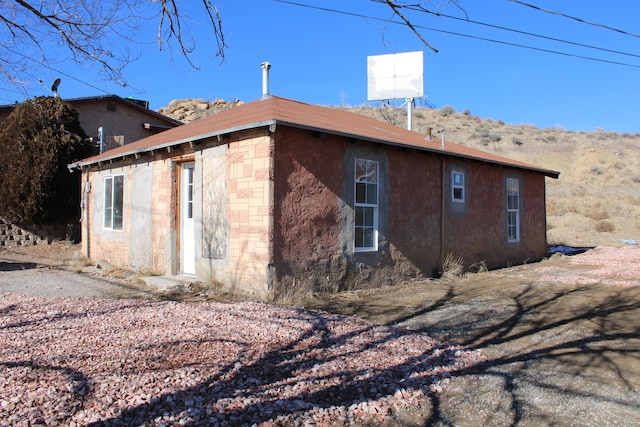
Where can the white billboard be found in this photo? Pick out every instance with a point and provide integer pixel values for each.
(395, 76)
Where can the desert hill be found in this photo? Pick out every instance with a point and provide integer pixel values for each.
(596, 200)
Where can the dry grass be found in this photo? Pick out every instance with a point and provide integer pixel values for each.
(605, 227)
(452, 267)
(597, 213)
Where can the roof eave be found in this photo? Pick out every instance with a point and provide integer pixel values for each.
(277, 122)
(546, 172)
(178, 142)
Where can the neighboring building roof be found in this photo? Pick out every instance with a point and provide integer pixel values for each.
(273, 110)
(131, 103)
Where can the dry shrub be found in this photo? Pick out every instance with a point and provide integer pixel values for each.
(79, 262)
(597, 214)
(295, 293)
(604, 227)
(571, 208)
(478, 267)
(452, 267)
(447, 110)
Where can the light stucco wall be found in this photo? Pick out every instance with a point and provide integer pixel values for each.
(233, 213)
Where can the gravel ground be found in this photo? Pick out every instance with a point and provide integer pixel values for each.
(552, 343)
(35, 279)
(130, 362)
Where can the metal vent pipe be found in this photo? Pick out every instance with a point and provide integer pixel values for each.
(265, 78)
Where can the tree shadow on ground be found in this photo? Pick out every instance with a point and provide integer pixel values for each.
(16, 266)
(577, 347)
(317, 369)
(562, 345)
(248, 391)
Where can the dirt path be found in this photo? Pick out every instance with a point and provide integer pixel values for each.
(37, 276)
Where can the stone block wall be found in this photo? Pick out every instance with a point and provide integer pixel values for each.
(22, 235)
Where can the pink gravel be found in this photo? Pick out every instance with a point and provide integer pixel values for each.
(602, 265)
(78, 362)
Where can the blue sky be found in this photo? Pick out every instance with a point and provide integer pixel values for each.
(320, 57)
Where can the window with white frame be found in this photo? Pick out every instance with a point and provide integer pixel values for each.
(513, 210)
(113, 202)
(366, 205)
(457, 186)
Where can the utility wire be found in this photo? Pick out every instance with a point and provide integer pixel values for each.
(595, 24)
(357, 15)
(526, 33)
(42, 64)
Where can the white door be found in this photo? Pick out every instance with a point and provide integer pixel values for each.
(187, 234)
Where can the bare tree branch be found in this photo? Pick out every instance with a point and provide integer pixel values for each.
(420, 6)
(97, 34)
(101, 34)
(395, 7)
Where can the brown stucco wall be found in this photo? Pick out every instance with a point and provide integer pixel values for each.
(313, 199)
(288, 197)
(313, 242)
(308, 184)
(477, 232)
(414, 211)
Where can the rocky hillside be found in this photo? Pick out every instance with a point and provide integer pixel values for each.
(188, 110)
(595, 202)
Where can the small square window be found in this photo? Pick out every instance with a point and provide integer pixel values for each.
(457, 186)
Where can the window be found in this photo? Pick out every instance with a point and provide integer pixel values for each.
(188, 185)
(366, 205)
(113, 202)
(457, 186)
(513, 210)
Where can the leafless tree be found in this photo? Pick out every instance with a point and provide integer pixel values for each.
(94, 33)
(428, 6)
(101, 34)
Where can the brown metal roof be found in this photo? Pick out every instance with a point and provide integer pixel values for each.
(273, 110)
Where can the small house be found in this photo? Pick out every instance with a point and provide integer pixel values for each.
(113, 121)
(277, 196)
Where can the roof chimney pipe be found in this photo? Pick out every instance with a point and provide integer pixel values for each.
(265, 78)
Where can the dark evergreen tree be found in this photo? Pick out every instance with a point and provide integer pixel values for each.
(37, 141)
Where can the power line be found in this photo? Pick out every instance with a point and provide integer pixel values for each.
(357, 15)
(513, 30)
(49, 67)
(595, 24)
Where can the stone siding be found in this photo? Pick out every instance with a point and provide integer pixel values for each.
(250, 165)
